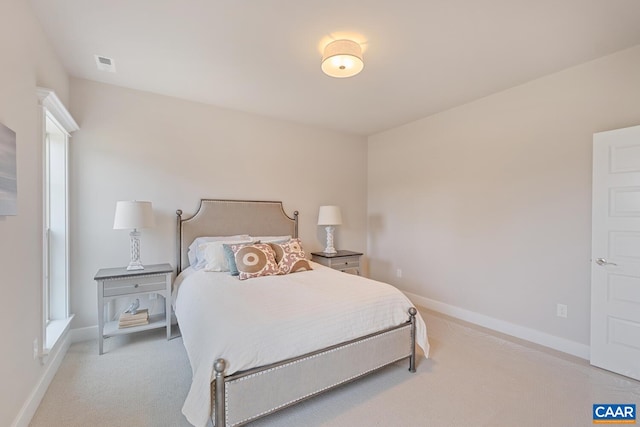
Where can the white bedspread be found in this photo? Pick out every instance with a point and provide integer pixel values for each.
(260, 321)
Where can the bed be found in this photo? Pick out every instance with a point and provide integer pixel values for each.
(263, 344)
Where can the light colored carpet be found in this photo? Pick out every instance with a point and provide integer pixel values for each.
(474, 378)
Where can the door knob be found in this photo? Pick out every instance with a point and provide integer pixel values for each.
(602, 261)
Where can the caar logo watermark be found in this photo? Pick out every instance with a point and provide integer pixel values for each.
(604, 413)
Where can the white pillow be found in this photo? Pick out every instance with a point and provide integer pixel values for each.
(196, 257)
(271, 239)
(213, 252)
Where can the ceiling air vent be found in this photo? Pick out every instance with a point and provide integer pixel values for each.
(105, 64)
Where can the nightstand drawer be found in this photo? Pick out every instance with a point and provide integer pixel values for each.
(134, 285)
(343, 263)
(341, 260)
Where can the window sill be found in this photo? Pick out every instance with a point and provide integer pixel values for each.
(55, 330)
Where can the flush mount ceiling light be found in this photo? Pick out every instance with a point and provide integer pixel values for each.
(342, 58)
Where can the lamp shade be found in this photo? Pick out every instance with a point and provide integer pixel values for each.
(329, 215)
(132, 215)
(342, 58)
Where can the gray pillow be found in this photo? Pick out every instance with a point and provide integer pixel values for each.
(230, 257)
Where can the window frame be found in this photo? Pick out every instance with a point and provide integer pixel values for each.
(54, 111)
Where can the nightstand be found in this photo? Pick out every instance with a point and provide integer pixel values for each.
(343, 260)
(119, 282)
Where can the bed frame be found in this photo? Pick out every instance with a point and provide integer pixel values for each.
(247, 395)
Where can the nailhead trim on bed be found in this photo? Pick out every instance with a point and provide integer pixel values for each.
(408, 327)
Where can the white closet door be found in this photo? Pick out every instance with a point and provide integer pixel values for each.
(615, 271)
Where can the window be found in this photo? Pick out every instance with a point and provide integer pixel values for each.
(58, 124)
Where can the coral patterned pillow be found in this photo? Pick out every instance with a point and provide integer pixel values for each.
(290, 256)
(255, 260)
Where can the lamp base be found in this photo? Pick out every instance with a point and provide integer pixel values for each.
(135, 266)
(330, 249)
(134, 263)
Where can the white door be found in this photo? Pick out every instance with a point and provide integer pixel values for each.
(615, 269)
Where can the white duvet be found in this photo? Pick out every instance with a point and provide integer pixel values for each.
(260, 321)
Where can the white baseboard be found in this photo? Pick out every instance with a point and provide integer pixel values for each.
(522, 332)
(52, 362)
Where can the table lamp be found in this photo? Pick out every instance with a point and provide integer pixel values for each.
(132, 215)
(329, 216)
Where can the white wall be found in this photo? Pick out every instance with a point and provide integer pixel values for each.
(136, 145)
(27, 61)
(487, 207)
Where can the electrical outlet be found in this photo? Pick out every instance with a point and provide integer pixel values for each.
(35, 349)
(561, 310)
(399, 272)
(153, 295)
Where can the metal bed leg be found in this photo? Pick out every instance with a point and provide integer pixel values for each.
(219, 404)
(412, 359)
(178, 242)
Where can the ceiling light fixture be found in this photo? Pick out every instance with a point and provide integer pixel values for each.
(342, 58)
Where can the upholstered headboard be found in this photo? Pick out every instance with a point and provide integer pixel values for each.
(230, 217)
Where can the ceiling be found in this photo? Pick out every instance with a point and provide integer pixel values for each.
(263, 56)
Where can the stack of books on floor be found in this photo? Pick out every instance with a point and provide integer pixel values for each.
(127, 320)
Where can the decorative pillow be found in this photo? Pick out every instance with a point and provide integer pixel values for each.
(230, 256)
(196, 257)
(255, 260)
(213, 254)
(290, 256)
